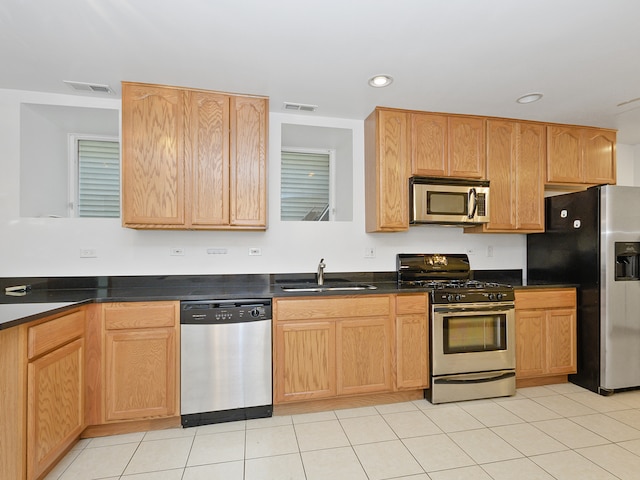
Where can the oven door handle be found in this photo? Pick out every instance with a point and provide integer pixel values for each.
(495, 307)
(472, 378)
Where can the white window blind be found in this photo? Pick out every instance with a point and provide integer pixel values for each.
(98, 193)
(304, 188)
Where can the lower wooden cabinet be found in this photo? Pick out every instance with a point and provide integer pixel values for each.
(55, 411)
(304, 360)
(363, 355)
(412, 342)
(55, 390)
(545, 333)
(349, 345)
(141, 360)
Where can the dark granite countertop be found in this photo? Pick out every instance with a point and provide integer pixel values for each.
(48, 295)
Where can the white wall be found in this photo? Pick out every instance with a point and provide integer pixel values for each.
(51, 246)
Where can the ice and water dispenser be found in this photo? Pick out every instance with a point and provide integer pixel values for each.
(627, 260)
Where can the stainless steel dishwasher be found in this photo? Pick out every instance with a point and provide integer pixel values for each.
(225, 361)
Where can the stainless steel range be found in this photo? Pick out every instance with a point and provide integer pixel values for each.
(472, 328)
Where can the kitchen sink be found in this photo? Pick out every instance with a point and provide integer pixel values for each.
(327, 287)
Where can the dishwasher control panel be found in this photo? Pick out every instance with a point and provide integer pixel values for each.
(224, 311)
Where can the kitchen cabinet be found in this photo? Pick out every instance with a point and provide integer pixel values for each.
(516, 153)
(363, 354)
(412, 342)
(332, 346)
(193, 159)
(55, 390)
(141, 369)
(387, 171)
(304, 360)
(580, 155)
(447, 145)
(545, 334)
(13, 403)
(402, 143)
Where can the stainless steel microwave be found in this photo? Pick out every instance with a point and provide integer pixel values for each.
(448, 201)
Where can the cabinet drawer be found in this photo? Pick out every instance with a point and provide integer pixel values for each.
(50, 335)
(409, 304)
(121, 316)
(327, 307)
(545, 298)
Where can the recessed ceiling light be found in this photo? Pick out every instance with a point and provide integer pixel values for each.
(529, 98)
(379, 81)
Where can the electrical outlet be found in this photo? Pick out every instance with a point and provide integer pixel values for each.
(176, 252)
(88, 253)
(255, 251)
(217, 251)
(490, 251)
(369, 252)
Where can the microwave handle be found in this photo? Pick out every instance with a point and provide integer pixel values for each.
(473, 203)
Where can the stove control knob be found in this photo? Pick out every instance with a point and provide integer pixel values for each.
(450, 297)
(492, 296)
(254, 312)
(499, 296)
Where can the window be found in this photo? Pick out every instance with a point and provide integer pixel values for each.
(304, 190)
(95, 182)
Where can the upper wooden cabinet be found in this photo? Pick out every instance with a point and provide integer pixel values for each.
(387, 171)
(447, 145)
(515, 164)
(580, 155)
(401, 143)
(193, 159)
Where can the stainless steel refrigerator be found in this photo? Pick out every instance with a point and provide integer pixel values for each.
(592, 240)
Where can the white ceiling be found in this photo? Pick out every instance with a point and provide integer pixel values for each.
(462, 56)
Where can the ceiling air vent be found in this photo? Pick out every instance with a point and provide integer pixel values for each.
(300, 107)
(90, 87)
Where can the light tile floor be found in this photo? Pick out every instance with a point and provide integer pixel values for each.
(560, 432)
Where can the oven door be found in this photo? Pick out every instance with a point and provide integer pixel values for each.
(468, 338)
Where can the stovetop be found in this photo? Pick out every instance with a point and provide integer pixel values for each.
(450, 278)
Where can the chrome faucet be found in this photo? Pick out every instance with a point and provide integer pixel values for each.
(320, 274)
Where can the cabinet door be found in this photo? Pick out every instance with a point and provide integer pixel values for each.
(501, 164)
(599, 156)
(529, 178)
(140, 376)
(55, 410)
(305, 365)
(429, 144)
(561, 341)
(152, 155)
(412, 342)
(207, 157)
(248, 202)
(363, 355)
(564, 155)
(467, 147)
(387, 171)
(530, 343)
